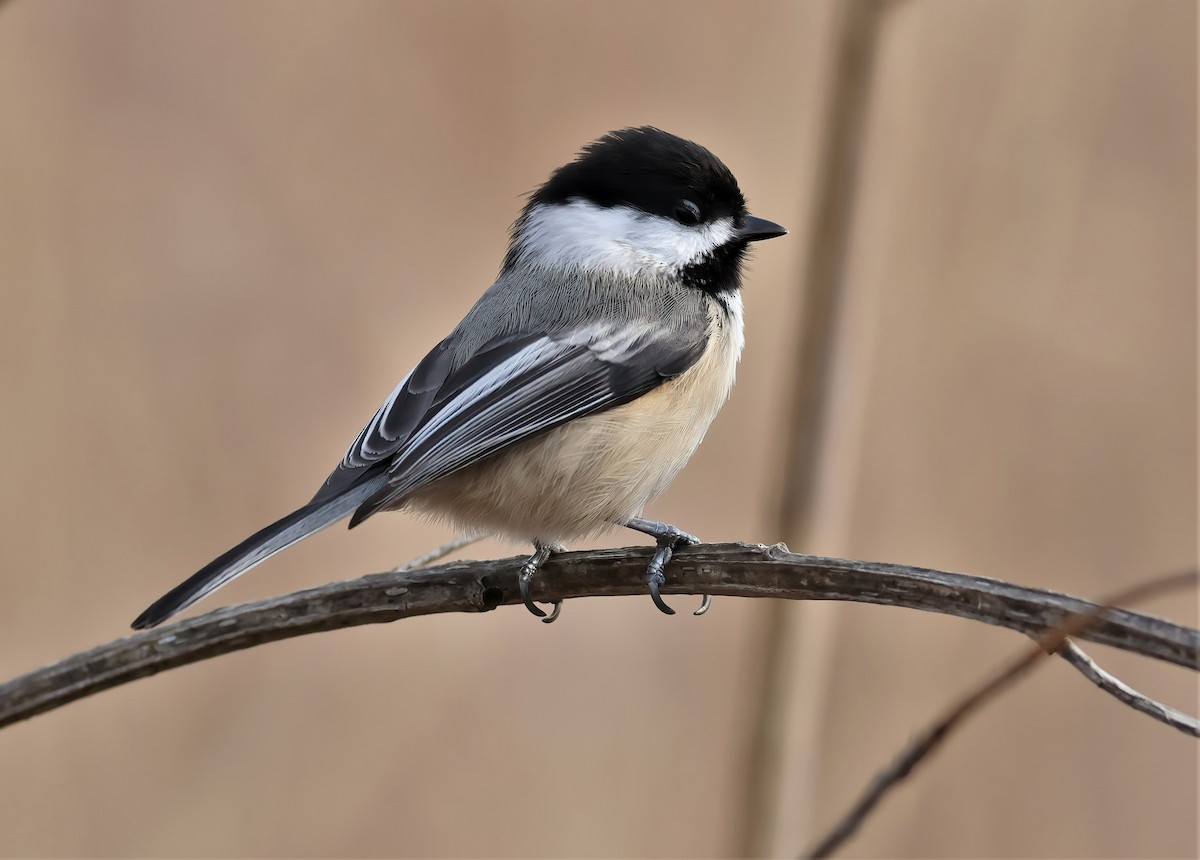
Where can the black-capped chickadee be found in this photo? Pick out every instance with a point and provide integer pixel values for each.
(578, 385)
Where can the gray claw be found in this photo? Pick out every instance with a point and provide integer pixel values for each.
(656, 571)
(654, 581)
(528, 569)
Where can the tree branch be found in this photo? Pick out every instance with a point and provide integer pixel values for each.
(1117, 688)
(819, 330)
(924, 744)
(731, 570)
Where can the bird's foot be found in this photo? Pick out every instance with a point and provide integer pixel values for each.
(541, 553)
(668, 539)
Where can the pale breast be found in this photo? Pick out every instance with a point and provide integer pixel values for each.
(596, 471)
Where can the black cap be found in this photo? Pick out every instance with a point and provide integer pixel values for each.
(650, 170)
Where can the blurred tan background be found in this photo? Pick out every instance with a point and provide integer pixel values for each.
(227, 228)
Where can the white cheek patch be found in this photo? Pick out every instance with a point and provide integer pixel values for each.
(616, 238)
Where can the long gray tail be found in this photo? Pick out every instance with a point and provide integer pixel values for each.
(256, 549)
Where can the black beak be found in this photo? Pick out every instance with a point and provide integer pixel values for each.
(755, 229)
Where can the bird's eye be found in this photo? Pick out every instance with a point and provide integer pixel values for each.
(687, 213)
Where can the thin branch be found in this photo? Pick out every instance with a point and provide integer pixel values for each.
(731, 570)
(856, 38)
(438, 553)
(1114, 686)
(1078, 624)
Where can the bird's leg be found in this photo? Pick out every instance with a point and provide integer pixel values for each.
(668, 538)
(541, 553)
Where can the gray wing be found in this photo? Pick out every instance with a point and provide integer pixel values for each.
(442, 418)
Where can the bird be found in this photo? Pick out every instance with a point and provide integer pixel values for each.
(577, 386)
